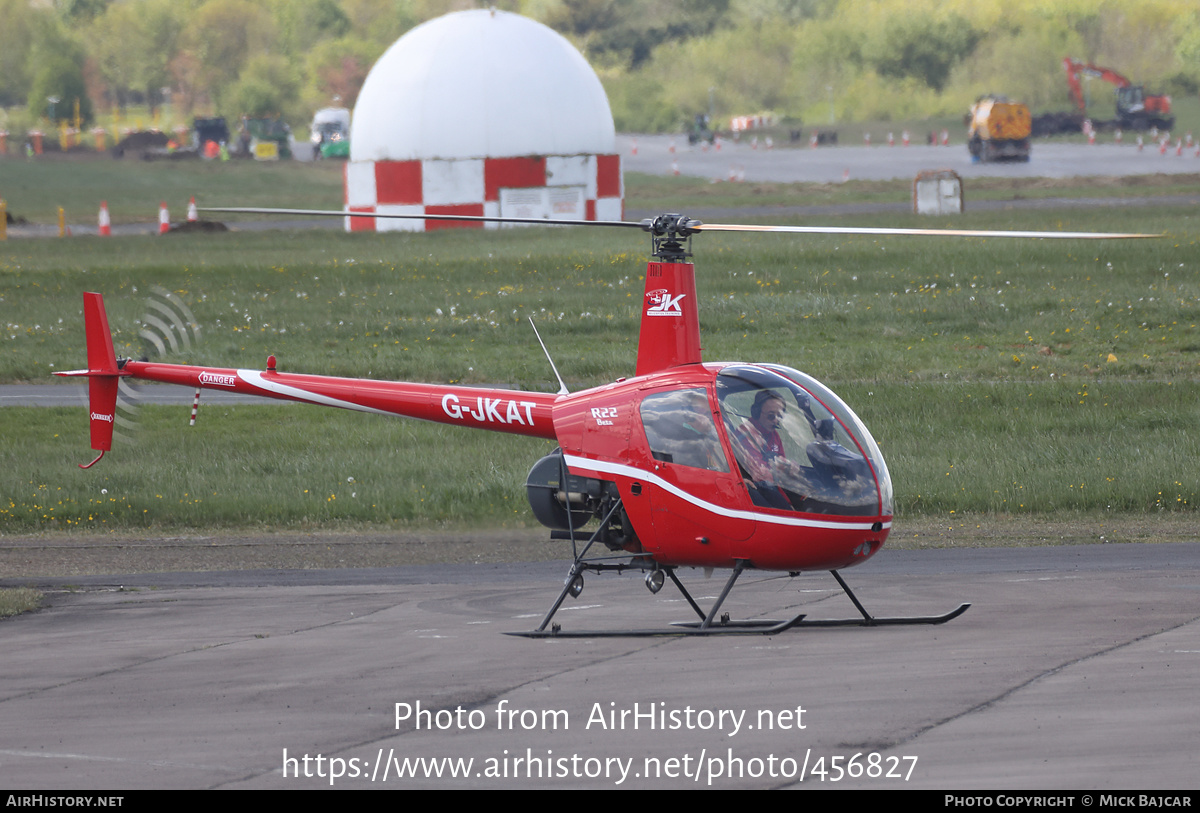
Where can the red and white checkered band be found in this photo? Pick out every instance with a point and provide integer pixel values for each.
(566, 187)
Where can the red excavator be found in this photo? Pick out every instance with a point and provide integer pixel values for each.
(1136, 109)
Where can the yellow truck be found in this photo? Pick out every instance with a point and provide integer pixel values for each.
(998, 130)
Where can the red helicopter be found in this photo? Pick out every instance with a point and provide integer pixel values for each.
(686, 464)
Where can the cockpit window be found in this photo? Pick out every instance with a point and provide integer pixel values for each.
(854, 427)
(794, 452)
(680, 429)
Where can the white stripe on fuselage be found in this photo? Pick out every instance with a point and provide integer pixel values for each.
(255, 378)
(605, 467)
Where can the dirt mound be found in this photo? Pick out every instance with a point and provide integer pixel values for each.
(198, 227)
(144, 140)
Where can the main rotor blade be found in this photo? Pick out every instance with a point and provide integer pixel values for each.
(1078, 235)
(538, 221)
(687, 223)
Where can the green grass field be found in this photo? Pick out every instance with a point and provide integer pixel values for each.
(133, 188)
(1043, 378)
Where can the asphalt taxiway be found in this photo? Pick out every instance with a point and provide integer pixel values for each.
(1076, 667)
(665, 155)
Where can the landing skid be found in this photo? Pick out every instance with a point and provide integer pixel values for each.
(708, 624)
(867, 620)
(908, 620)
(731, 628)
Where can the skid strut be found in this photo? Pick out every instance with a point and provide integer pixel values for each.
(574, 583)
(704, 627)
(869, 620)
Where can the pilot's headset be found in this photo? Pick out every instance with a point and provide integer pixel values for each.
(802, 401)
(760, 401)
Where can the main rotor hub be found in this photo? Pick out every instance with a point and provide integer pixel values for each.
(666, 232)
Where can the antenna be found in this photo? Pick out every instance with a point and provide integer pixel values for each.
(562, 388)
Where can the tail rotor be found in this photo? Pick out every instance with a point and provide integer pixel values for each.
(111, 401)
(167, 327)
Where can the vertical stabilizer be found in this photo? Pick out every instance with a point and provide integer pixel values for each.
(100, 355)
(102, 373)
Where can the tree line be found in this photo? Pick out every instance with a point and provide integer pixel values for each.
(661, 61)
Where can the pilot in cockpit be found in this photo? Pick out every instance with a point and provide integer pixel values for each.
(826, 473)
(765, 456)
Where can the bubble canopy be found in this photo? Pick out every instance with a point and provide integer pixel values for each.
(799, 446)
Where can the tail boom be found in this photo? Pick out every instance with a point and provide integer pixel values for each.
(499, 410)
(511, 411)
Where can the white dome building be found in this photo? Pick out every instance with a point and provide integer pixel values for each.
(482, 113)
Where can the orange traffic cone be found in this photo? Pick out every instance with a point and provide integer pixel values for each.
(164, 219)
(104, 221)
(193, 215)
